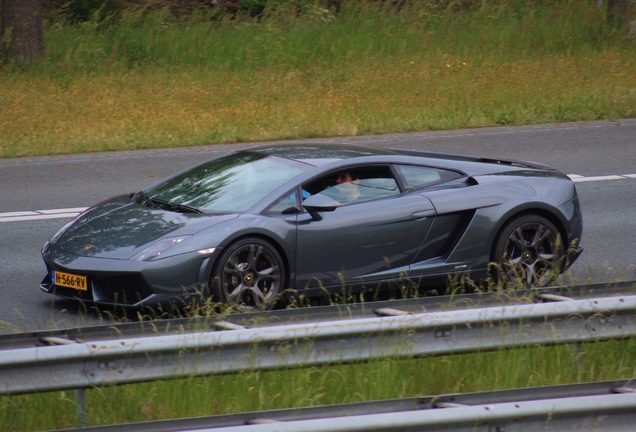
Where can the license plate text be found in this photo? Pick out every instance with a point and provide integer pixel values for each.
(70, 280)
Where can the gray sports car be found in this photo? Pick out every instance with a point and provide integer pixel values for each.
(256, 225)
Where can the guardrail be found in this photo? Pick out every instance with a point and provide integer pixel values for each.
(108, 362)
(337, 312)
(601, 406)
(82, 358)
(557, 414)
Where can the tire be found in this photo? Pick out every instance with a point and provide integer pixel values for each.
(249, 275)
(529, 252)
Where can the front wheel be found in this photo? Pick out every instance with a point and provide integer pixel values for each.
(249, 275)
(529, 251)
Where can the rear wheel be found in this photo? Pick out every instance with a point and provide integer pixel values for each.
(249, 275)
(529, 251)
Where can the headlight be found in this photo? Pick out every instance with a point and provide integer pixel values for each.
(208, 251)
(157, 249)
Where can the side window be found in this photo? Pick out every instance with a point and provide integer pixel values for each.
(287, 204)
(356, 184)
(416, 176)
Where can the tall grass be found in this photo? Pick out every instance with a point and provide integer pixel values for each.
(510, 30)
(146, 79)
(526, 367)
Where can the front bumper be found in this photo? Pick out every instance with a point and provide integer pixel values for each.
(130, 283)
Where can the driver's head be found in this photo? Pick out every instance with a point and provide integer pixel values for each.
(344, 177)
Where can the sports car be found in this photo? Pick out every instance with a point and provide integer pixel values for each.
(262, 224)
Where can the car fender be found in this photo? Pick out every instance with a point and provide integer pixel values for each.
(478, 196)
(278, 230)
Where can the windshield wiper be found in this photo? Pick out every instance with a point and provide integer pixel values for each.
(183, 208)
(145, 199)
(154, 202)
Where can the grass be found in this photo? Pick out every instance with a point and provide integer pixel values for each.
(150, 81)
(335, 384)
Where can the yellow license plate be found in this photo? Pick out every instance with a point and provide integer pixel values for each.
(70, 280)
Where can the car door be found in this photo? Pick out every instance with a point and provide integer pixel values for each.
(372, 238)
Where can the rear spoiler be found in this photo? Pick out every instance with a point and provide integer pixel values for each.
(508, 162)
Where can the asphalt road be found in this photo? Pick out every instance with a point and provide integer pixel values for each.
(594, 150)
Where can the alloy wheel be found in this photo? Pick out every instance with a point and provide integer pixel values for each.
(251, 277)
(532, 254)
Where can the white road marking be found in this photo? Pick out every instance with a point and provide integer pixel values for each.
(20, 216)
(579, 179)
(68, 210)
(18, 213)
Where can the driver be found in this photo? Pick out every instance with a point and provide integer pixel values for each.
(348, 186)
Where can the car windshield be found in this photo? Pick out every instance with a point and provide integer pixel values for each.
(233, 183)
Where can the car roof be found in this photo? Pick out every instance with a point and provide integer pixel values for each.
(320, 154)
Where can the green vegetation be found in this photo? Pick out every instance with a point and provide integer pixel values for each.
(145, 79)
(534, 366)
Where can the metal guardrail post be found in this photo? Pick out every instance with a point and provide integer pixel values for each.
(578, 360)
(80, 402)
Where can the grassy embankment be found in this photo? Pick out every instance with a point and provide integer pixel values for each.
(155, 83)
(152, 82)
(533, 366)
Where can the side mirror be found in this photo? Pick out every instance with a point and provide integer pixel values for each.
(318, 203)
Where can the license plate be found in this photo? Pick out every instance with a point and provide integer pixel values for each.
(70, 280)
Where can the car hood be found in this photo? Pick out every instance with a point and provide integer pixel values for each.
(119, 229)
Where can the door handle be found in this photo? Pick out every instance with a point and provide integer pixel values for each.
(423, 213)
